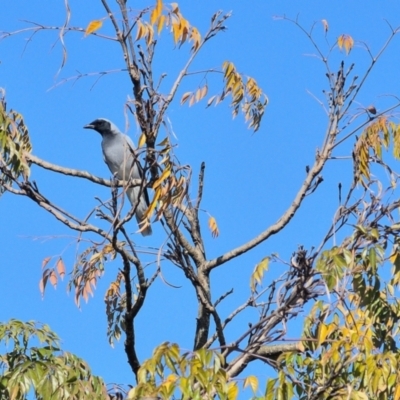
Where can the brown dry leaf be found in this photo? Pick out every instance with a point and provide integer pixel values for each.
(184, 30)
(42, 285)
(210, 100)
(198, 95)
(53, 278)
(175, 8)
(141, 30)
(61, 268)
(150, 35)
(196, 37)
(192, 101)
(45, 261)
(185, 97)
(325, 24)
(204, 91)
(93, 26)
(212, 224)
(345, 41)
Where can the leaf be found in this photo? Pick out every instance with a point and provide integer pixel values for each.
(258, 273)
(345, 41)
(45, 261)
(192, 101)
(195, 36)
(322, 333)
(153, 204)
(325, 24)
(141, 30)
(53, 278)
(160, 24)
(176, 31)
(156, 13)
(212, 224)
(93, 26)
(210, 100)
(166, 173)
(42, 285)
(203, 91)
(185, 97)
(142, 140)
(60, 268)
(150, 35)
(252, 381)
(233, 391)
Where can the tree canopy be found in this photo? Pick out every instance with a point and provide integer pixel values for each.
(273, 268)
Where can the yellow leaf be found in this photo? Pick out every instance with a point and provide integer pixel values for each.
(345, 41)
(252, 381)
(322, 333)
(228, 67)
(141, 30)
(166, 173)
(397, 392)
(150, 34)
(196, 37)
(155, 14)
(258, 272)
(142, 140)
(161, 22)
(212, 224)
(164, 142)
(93, 27)
(325, 24)
(233, 391)
(176, 30)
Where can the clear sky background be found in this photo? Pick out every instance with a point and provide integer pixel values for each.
(250, 178)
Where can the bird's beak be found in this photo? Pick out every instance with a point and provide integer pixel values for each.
(89, 126)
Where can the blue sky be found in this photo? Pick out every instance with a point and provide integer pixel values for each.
(250, 178)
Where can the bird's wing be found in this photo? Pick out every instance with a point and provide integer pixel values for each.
(131, 148)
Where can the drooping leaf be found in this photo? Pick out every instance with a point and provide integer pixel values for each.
(325, 25)
(346, 42)
(60, 267)
(212, 224)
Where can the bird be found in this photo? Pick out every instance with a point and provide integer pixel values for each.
(120, 156)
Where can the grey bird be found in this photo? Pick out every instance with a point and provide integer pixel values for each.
(119, 154)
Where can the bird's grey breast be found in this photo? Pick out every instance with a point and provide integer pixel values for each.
(117, 155)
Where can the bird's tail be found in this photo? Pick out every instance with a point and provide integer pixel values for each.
(143, 222)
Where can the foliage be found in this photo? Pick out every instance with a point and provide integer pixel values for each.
(35, 363)
(14, 144)
(349, 347)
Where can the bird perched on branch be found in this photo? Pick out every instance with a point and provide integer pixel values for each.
(120, 156)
